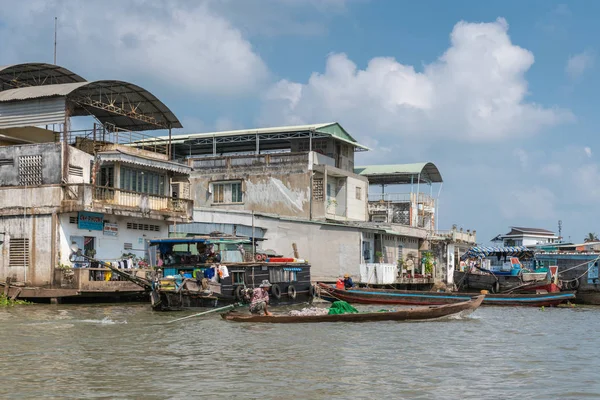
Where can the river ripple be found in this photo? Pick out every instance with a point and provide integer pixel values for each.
(128, 352)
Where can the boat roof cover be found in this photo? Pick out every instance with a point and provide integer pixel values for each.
(484, 251)
(200, 240)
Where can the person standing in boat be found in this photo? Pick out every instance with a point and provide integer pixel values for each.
(348, 284)
(260, 299)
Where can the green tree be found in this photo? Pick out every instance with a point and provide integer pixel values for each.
(591, 237)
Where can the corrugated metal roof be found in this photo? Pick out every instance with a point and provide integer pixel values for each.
(35, 74)
(400, 173)
(107, 92)
(333, 129)
(38, 92)
(118, 156)
(206, 228)
(32, 113)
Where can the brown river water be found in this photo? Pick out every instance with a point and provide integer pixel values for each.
(129, 352)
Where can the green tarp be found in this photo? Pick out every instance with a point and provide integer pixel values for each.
(341, 307)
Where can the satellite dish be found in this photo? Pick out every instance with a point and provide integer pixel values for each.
(74, 248)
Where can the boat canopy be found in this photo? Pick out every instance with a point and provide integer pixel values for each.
(166, 245)
(483, 252)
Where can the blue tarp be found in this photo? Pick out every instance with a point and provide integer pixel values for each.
(483, 252)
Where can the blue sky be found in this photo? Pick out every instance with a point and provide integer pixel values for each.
(499, 95)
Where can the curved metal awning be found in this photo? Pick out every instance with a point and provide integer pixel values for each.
(400, 173)
(122, 104)
(35, 74)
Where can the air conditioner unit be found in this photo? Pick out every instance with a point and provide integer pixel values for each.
(180, 190)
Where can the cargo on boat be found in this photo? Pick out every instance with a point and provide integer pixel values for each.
(204, 271)
(411, 314)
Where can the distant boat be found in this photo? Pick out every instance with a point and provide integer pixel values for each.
(412, 314)
(407, 297)
(505, 270)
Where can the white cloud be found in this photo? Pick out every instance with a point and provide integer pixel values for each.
(579, 63)
(475, 91)
(588, 151)
(181, 44)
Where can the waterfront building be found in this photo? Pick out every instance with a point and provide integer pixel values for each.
(91, 187)
(299, 185)
(526, 237)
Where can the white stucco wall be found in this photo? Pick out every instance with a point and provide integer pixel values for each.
(110, 248)
(331, 250)
(357, 209)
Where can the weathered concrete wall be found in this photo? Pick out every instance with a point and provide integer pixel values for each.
(51, 162)
(40, 200)
(38, 229)
(78, 159)
(279, 188)
(108, 247)
(331, 250)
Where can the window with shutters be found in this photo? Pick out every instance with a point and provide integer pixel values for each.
(30, 170)
(18, 252)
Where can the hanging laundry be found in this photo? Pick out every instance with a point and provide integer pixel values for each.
(209, 273)
(129, 263)
(223, 271)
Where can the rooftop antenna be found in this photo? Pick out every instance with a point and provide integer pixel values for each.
(55, 24)
(559, 230)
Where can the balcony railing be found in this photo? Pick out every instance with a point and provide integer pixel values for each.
(402, 198)
(126, 198)
(249, 160)
(91, 140)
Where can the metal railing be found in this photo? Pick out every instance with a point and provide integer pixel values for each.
(402, 197)
(249, 160)
(90, 140)
(126, 198)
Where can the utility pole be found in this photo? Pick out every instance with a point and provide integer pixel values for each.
(55, 27)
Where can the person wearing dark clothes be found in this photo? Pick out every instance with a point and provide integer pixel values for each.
(348, 281)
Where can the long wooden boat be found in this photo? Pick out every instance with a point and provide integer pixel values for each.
(411, 314)
(406, 297)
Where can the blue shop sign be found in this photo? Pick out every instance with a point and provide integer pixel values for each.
(90, 221)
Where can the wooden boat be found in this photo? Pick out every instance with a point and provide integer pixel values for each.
(411, 314)
(509, 268)
(406, 297)
(290, 279)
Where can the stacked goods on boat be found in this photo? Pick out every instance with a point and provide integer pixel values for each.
(205, 271)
